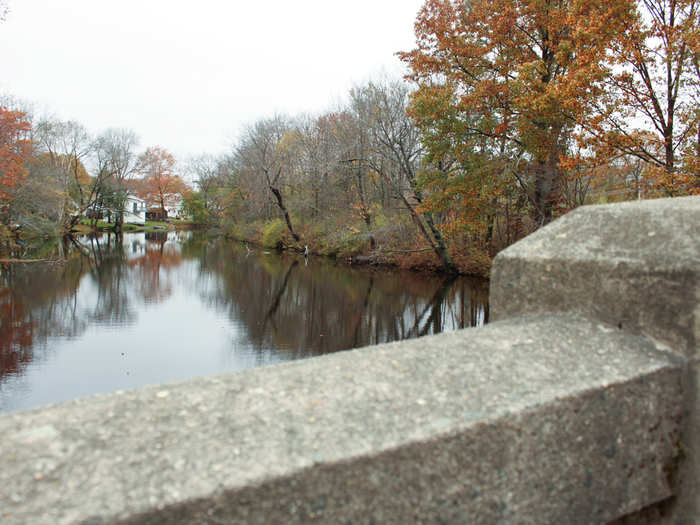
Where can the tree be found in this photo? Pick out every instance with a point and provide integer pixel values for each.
(319, 155)
(651, 108)
(162, 187)
(66, 144)
(356, 146)
(205, 169)
(520, 75)
(267, 149)
(15, 150)
(116, 162)
(381, 107)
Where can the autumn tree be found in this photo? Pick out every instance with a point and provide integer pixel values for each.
(218, 182)
(320, 156)
(15, 150)
(65, 146)
(518, 76)
(162, 187)
(356, 148)
(267, 150)
(397, 153)
(651, 107)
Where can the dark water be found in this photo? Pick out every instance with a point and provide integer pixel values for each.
(170, 306)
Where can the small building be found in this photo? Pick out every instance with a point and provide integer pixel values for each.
(156, 214)
(135, 210)
(174, 208)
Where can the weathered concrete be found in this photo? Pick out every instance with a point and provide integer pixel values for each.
(634, 265)
(493, 425)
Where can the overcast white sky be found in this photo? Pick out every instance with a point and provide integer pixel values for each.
(187, 75)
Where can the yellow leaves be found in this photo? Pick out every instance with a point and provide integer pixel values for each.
(291, 141)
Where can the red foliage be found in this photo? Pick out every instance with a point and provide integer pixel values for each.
(15, 148)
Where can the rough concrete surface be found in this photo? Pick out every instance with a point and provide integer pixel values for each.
(633, 265)
(549, 420)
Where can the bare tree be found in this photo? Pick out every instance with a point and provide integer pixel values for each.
(215, 179)
(397, 150)
(117, 162)
(66, 145)
(319, 157)
(267, 149)
(356, 144)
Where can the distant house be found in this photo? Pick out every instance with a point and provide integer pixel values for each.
(156, 214)
(174, 208)
(135, 210)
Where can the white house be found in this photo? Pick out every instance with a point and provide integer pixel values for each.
(174, 208)
(135, 210)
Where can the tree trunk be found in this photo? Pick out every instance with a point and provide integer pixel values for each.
(416, 219)
(548, 178)
(439, 246)
(280, 203)
(368, 222)
(366, 215)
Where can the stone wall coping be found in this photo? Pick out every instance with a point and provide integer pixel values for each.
(534, 418)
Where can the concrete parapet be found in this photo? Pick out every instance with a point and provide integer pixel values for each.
(633, 265)
(506, 423)
(572, 417)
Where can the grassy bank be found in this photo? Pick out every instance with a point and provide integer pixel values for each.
(16, 243)
(85, 226)
(351, 245)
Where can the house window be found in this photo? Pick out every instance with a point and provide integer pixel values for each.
(135, 208)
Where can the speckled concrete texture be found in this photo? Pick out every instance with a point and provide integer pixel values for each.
(548, 420)
(633, 265)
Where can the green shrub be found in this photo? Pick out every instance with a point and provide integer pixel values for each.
(273, 233)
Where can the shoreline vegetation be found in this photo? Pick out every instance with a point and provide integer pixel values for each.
(507, 119)
(272, 236)
(258, 238)
(265, 237)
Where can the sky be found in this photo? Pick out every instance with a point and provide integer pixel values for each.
(187, 76)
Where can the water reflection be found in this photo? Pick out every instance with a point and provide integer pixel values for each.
(318, 308)
(147, 308)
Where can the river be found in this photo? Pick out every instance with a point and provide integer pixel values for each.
(169, 306)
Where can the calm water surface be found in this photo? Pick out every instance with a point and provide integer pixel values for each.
(163, 307)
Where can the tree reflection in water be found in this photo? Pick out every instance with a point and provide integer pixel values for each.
(168, 288)
(313, 309)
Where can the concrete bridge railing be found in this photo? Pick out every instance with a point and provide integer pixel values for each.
(579, 405)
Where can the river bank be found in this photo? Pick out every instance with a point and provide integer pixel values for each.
(356, 250)
(18, 244)
(352, 250)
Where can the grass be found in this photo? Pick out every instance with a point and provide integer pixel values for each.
(85, 226)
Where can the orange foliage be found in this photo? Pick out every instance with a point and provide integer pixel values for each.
(160, 186)
(505, 78)
(15, 149)
(651, 106)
